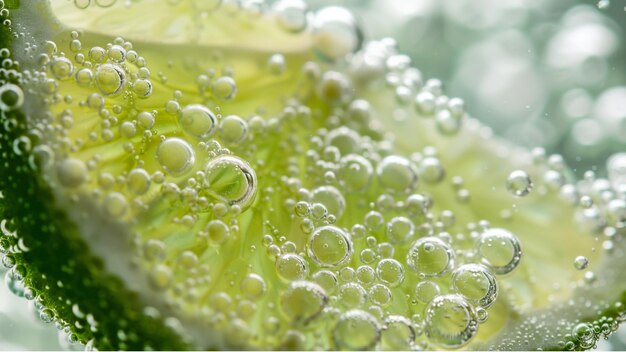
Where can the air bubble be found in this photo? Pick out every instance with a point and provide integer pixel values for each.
(110, 79)
(160, 276)
(450, 321)
(115, 205)
(381, 295)
(335, 33)
(105, 3)
(142, 87)
(366, 275)
(253, 286)
(198, 121)
(331, 198)
(276, 64)
(326, 279)
(11, 97)
(218, 232)
(351, 295)
(291, 267)
(145, 120)
(430, 256)
(175, 156)
(345, 139)
(302, 301)
(396, 173)
(117, 53)
(430, 170)
(329, 246)
(355, 172)
(61, 68)
(426, 291)
(390, 272)
(97, 54)
(225, 88)
(334, 88)
(138, 181)
(400, 229)
(500, 250)
(231, 179)
(233, 130)
(476, 283)
(72, 172)
(356, 330)
(84, 77)
(519, 183)
(398, 333)
(82, 4)
(291, 15)
(581, 262)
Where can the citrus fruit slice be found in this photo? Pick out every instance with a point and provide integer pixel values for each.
(215, 174)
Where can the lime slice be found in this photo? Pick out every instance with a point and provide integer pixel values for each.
(212, 175)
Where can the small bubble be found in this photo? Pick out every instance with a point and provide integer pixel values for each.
(581, 262)
(110, 79)
(61, 68)
(604, 4)
(97, 54)
(390, 272)
(396, 173)
(225, 88)
(175, 156)
(450, 321)
(519, 183)
(160, 276)
(400, 229)
(335, 33)
(72, 172)
(356, 330)
(291, 15)
(326, 279)
(351, 295)
(82, 4)
(253, 286)
(329, 246)
(117, 53)
(198, 121)
(380, 294)
(430, 170)
(430, 256)
(426, 290)
(302, 301)
(218, 232)
(398, 333)
(115, 205)
(138, 181)
(84, 77)
(331, 198)
(276, 64)
(231, 179)
(476, 283)
(355, 172)
(500, 250)
(291, 267)
(142, 87)
(233, 130)
(11, 97)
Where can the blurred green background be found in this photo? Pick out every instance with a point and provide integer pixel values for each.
(540, 73)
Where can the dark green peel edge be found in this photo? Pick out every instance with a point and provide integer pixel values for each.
(58, 265)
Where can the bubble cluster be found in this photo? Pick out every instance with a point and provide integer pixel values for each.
(266, 197)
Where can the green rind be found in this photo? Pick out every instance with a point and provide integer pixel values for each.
(58, 266)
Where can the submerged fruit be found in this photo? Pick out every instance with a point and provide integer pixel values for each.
(192, 174)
